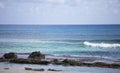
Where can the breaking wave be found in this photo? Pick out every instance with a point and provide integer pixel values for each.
(102, 45)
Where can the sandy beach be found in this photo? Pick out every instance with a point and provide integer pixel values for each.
(28, 71)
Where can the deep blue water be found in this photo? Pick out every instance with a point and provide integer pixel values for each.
(78, 40)
(84, 32)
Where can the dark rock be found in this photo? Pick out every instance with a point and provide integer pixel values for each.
(36, 56)
(87, 64)
(2, 59)
(58, 63)
(44, 62)
(71, 62)
(39, 62)
(26, 68)
(37, 69)
(114, 66)
(6, 68)
(53, 70)
(101, 64)
(28, 61)
(55, 60)
(10, 56)
(20, 60)
(65, 61)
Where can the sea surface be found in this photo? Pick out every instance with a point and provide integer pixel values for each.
(99, 41)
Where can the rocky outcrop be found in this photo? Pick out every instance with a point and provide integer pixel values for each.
(6, 68)
(96, 64)
(101, 64)
(2, 59)
(20, 60)
(26, 68)
(53, 70)
(38, 69)
(10, 55)
(28, 61)
(33, 58)
(36, 56)
(71, 62)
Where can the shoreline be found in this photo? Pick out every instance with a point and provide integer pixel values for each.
(42, 59)
(67, 70)
(28, 71)
(52, 57)
(71, 57)
(42, 64)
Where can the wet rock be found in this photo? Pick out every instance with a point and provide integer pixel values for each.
(20, 60)
(39, 62)
(65, 61)
(57, 63)
(55, 60)
(28, 61)
(53, 70)
(2, 59)
(26, 68)
(38, 69)
(10, 55)
(6, 68)
(71, 62)
(36, 56)
(101, 64)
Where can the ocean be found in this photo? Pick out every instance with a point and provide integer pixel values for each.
(99, 41)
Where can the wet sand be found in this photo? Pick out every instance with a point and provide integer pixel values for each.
(29, 71)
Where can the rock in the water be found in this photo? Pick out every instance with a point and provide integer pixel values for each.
(55, 60)
(36, 56)
(26, 68)
(20, 60)
(38, 69)
(28, 61)
(71, 62)
(101, 64)
(2, 59)
(6, 68)
(65, 61)
(53, 70)
(10, 55)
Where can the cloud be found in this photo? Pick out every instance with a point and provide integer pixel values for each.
(2, 5)
(57, 1)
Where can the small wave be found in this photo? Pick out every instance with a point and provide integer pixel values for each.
(102, 45)
(39, 41)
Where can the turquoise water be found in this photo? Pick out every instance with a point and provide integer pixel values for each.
(76, 40)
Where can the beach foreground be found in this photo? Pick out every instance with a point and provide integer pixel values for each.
(27, 71)
(37, 62)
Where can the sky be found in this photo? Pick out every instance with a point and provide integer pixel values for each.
(59, 12)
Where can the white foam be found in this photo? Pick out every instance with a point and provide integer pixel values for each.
(102, 45)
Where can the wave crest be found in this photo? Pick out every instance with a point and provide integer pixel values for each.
(102, 45)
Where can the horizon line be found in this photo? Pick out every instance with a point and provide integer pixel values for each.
(59, 24)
